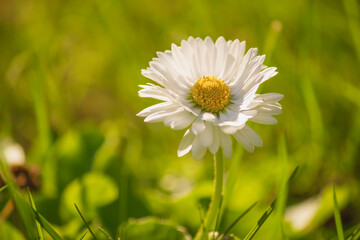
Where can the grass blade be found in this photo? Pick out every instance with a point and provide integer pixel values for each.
(3, 188)
(38, 226)
(22, 207)
(82, 237)
(236, 221)
(292, 175)
(201, 218)
(28, 215)
(353, 16)
(339, 227)
(41, 114)
(261, 221)
(105, 233)
(268, 211)
(87, 225)
(46, 226)
(355, 234)
(24, 211)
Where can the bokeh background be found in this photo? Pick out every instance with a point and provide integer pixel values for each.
(69, 74)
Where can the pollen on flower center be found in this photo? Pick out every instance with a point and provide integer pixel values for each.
(211, 94)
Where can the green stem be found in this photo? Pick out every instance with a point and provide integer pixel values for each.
(214, 207)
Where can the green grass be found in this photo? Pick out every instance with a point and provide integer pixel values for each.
(339, 227)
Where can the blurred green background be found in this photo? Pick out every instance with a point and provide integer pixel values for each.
(69, 74)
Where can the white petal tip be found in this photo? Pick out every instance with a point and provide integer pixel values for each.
(182, 153)
(249, 150)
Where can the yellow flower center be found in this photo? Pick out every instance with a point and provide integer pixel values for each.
(211, 94)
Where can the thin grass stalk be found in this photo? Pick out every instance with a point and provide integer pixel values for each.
(339, 227)
(210, 217)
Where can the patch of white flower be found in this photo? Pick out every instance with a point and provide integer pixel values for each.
(210, 89)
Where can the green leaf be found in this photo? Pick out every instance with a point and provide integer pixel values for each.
(154, 229)
(92, 191)
(337, 216)
(8, 231)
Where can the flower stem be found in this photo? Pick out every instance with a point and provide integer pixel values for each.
(214, 207)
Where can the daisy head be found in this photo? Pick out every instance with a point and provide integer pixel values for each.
(210, 89)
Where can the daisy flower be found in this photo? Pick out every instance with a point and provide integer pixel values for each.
(210, 88)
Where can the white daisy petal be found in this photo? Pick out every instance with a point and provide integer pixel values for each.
(226, 144)
(216, 141)
(249, 97)
(186, 143)
(188, 105)
(234, 57)
(177, 73)
(259, 59)
(221, 55)
(206, 136)
(244, 69)
(162, 71)
(268, 73)
(251, 136)
(198, 126)
(182, 56)
(179, 120)
(199, 56)
(239, 55)
(264, 119)
(160, 116)
(238, 120)
(227, 116)
(164, 106)
(244, 142)
(209, 117)
(270, 97)
(155, 92)
(210, 56)
(251, 78)
(198, 150)
(269, 109)
(229, 129)
(200, 154)
(210, 88)
(153, 76)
